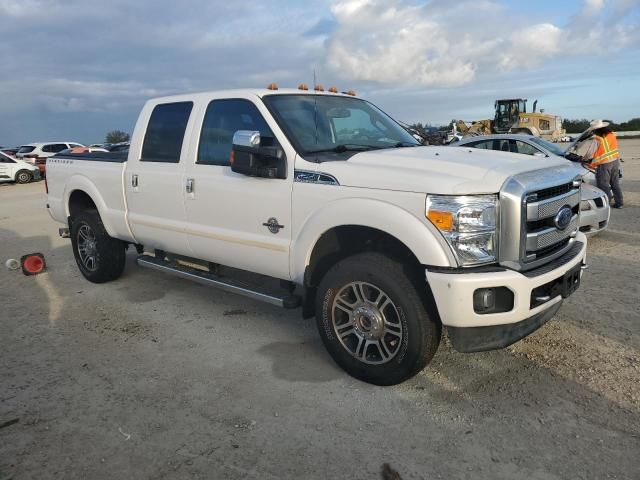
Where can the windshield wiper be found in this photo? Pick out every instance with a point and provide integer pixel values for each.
(405, 144)
(346, 147)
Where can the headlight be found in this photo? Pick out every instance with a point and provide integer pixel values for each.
(468, 223)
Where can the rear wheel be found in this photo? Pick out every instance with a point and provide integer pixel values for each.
(100, 257)
(24, 176)
(373, 320)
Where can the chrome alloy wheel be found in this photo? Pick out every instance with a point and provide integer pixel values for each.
(367, 323)
(87, 248)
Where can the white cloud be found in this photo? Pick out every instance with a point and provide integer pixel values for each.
(396, 42)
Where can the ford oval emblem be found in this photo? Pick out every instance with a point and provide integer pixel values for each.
(563, 218)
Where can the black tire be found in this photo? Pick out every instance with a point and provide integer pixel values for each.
(24, 176)
(411, 321)
(90, 239)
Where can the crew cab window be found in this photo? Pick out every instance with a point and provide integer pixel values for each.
(5, 159)
(165, 132)
(222, 119)
(54, 147)
(526, 149)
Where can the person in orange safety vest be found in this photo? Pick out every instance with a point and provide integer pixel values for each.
(604, 157)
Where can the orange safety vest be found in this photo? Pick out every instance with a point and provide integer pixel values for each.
(607, 150)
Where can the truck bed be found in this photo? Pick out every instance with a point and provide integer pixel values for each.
(101, 176)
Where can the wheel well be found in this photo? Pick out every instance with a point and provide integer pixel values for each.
(80, 201)
(344, 241)
(341, 242)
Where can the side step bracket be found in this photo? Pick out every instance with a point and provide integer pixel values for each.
(287, 300)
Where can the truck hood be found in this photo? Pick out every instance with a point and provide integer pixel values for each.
(446, 170)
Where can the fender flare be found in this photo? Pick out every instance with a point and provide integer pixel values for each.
(421, 237)
(81, 183)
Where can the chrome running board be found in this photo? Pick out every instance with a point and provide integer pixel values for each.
(228, 285)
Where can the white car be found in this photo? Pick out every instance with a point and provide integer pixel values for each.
(34, 151)
(15, 170)
(594, 204)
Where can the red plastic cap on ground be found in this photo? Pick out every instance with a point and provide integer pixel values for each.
(33, 264)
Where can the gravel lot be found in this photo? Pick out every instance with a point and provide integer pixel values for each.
(156, 377)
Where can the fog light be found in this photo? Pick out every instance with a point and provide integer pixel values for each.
(492, 300)
(484, 299)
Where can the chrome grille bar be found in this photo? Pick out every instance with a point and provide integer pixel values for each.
(550, 236)
(548, 208)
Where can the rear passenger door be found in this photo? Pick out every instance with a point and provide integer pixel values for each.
(232, 219)
(154, 178)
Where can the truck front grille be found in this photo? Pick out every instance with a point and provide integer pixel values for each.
(531, 232)
(542, 237)
(554, 191)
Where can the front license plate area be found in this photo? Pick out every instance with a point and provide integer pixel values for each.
(571, 281)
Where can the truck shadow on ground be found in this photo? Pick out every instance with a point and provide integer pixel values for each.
(307, 353)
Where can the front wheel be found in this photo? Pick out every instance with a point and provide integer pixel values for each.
(373, 320)
(100, 257)
(24, 176)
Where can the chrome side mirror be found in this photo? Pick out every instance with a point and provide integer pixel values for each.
(246, 138)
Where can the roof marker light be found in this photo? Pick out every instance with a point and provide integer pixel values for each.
(319, 88)
(303, 86)
(272, 86)
(333, 90)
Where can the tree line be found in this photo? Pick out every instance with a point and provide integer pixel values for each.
(579, 126)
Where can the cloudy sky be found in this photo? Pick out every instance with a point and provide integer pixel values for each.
(75, 69)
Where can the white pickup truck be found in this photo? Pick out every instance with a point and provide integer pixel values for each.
(320, 200)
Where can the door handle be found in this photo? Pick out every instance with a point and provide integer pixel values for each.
(190, 183)
(134, 181)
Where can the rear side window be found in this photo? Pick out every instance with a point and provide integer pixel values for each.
(222, 119)
(74, 145)
(504, 145)
(26, 149)
(54, 147)
(526, 149)
(165, 132)
(485, 145)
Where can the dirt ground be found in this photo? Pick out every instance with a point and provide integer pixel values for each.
(156, 377)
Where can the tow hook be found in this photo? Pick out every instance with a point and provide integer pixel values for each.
(64, 232)
(584, 266)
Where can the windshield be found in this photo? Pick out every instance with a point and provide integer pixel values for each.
(319, 123)
(552, 147)
(26, 149)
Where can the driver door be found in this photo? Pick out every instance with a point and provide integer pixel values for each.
(233, 219)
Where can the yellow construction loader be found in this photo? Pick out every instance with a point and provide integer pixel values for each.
(511, 116)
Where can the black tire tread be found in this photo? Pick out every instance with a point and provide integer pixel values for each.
(111, 251)
(390, 272)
